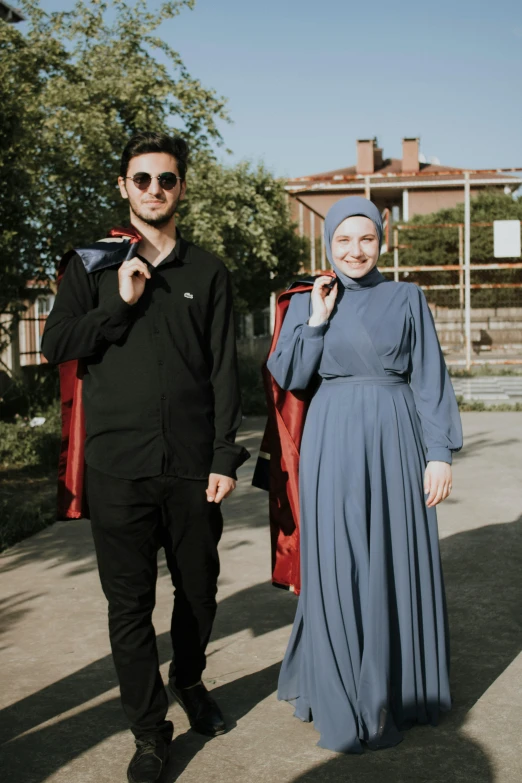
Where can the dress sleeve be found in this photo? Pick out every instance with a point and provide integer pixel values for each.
(431, 385)
(299, 348)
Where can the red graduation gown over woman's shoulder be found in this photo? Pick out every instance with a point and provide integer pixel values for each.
(277, 468)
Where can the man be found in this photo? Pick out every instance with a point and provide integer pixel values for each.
(155, 336)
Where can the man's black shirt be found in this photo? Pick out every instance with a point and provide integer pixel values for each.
(160, 389)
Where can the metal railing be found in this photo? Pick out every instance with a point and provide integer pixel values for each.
(467, 278)
(30, 334)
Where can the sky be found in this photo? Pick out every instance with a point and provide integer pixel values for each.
(304, 80)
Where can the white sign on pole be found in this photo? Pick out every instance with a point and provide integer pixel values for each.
(506, 238)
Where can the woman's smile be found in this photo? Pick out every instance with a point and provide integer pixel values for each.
(355, 246)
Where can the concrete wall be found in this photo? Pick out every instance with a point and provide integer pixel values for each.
(491, 328)
(496, 327)
(420, 202)
(423, 202)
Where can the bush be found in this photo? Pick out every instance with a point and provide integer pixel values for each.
(31, 447)
(480, 405)
(21, 520)
(483, 369)
(35, 390)
(28, 464)
(252, 390)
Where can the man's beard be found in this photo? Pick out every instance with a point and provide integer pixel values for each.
(158, 221)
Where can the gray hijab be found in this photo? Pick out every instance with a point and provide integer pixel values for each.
(342, 209)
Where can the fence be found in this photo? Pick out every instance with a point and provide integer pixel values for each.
(20, 336)
(470, 306)
(469, 313)
(31, 330)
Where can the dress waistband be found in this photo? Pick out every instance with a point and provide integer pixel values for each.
(376, 380)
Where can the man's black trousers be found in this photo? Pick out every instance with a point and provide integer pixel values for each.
(131, 520)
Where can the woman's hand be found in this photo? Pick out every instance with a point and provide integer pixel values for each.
(323, 300)
(132, 276)
(437, 482)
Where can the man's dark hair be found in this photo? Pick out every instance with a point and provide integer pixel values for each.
(149, 141)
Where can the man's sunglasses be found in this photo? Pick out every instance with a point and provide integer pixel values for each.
(167, 181)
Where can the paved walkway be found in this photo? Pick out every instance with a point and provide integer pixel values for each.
(60, 715)
(490, 388)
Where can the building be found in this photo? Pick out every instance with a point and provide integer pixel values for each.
(407, 186)
(20, 336)
(9, 14)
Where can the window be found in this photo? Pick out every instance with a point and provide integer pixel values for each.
(44, 304)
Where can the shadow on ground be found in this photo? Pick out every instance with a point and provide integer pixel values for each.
(77, 550)
(475, 444)
(260, 609)
(484, 589)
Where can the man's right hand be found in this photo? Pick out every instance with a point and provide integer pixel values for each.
(132, 276)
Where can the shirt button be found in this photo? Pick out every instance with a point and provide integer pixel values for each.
(160, 361)
(163, 396)
(156, 330)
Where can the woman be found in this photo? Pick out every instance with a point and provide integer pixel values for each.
(368, 652)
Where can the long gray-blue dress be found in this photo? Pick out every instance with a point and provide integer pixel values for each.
(369, 652)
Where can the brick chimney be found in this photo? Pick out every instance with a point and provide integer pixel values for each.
(366, 156)
(410, 155)
(377, 157)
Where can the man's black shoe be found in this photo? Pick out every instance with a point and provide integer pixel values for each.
(203, 713)
(149, 761)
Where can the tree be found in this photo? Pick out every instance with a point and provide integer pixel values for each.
(73, 90)
(241, 214)
(436, 246)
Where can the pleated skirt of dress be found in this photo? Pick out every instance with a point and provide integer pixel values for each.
(368, 653)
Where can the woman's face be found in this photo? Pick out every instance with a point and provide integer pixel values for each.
(355, 246)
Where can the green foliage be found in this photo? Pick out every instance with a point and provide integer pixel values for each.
(20, 516)
(480, 406)
(73, 90)
(436, 246)
(241, 214)
(28, 394)
(28, 462)
(252, 390)
(23, 446)
(483, 369)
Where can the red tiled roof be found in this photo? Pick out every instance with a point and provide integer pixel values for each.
(392, 169)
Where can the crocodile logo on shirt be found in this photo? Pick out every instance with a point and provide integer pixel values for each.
(188, 296)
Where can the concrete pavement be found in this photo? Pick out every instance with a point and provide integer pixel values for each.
(60, 715)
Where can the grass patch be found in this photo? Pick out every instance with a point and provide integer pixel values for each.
(29, 460)
(480, 405)
(482, 370)
(28, 464)
(28, 505)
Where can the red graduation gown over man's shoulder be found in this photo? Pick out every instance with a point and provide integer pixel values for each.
(277, 468)
(120, 245)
